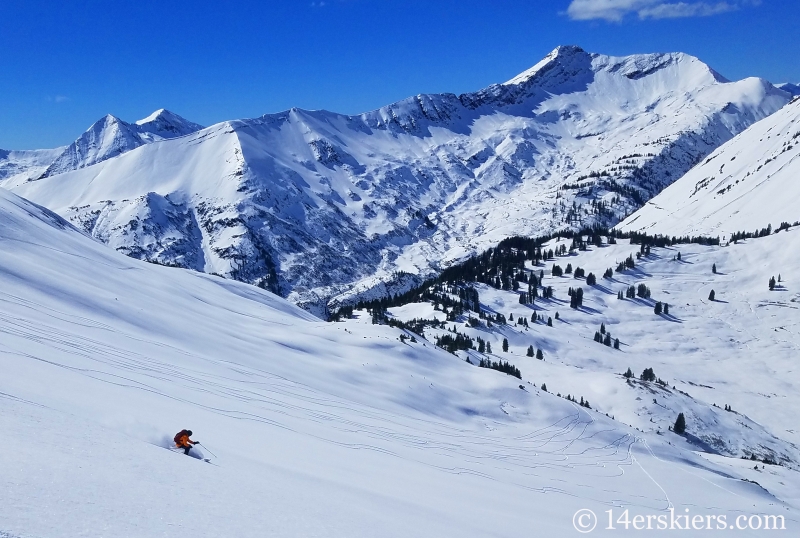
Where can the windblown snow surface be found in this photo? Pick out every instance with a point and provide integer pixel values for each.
(325, 208)
(341, 429)
(749, 183)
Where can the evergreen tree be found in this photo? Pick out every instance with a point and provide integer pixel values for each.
(539, 354)
(511, 317)
(544, 387)
(711, 295)
(643, 291)
(714, 268)
(772, 283)
(549, 321)
(591, 280)
(648, 375)
(530, 351)
(568, 270)
(666, 309)
(607, 340)
(616, 344)
(658, 308)
(680, 424)
(628, 374)
(679, 256)
(505, 345)
(597, 337)
(481, 345)
(602, 328)
(557, 316)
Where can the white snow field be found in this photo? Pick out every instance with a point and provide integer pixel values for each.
(750, 182)
(320, 206)
(340, 429)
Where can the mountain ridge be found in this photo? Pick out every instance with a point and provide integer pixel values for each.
(747, 184)
(322, 207)
(111, 136)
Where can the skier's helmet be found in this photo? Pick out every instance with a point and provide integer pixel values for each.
(189, 432)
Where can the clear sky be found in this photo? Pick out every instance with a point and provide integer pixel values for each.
(64, 65)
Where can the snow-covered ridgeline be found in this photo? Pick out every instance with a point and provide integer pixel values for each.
(747, 184)
(314, 204)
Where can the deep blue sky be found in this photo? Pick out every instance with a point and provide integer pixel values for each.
(64, 65)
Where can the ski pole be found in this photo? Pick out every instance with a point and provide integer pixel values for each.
(209, 450)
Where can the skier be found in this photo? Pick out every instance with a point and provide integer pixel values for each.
(182, 441)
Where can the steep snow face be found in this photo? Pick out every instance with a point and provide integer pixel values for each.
(317, 429)
(320, 206)
(110, 137)
(747, 184)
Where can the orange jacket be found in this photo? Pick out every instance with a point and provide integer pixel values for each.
(182, 440)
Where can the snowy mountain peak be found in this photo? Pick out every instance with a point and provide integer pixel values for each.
(560, 54)
(161, 112)
(111, 136)
(108, 119)
(165, 124)
(570, 69)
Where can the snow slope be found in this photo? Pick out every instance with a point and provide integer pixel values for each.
(739, 350)
(314, 205)
(745, 185)
(317, 429)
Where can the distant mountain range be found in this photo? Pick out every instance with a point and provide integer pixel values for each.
(323, 207)
(794, 89)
